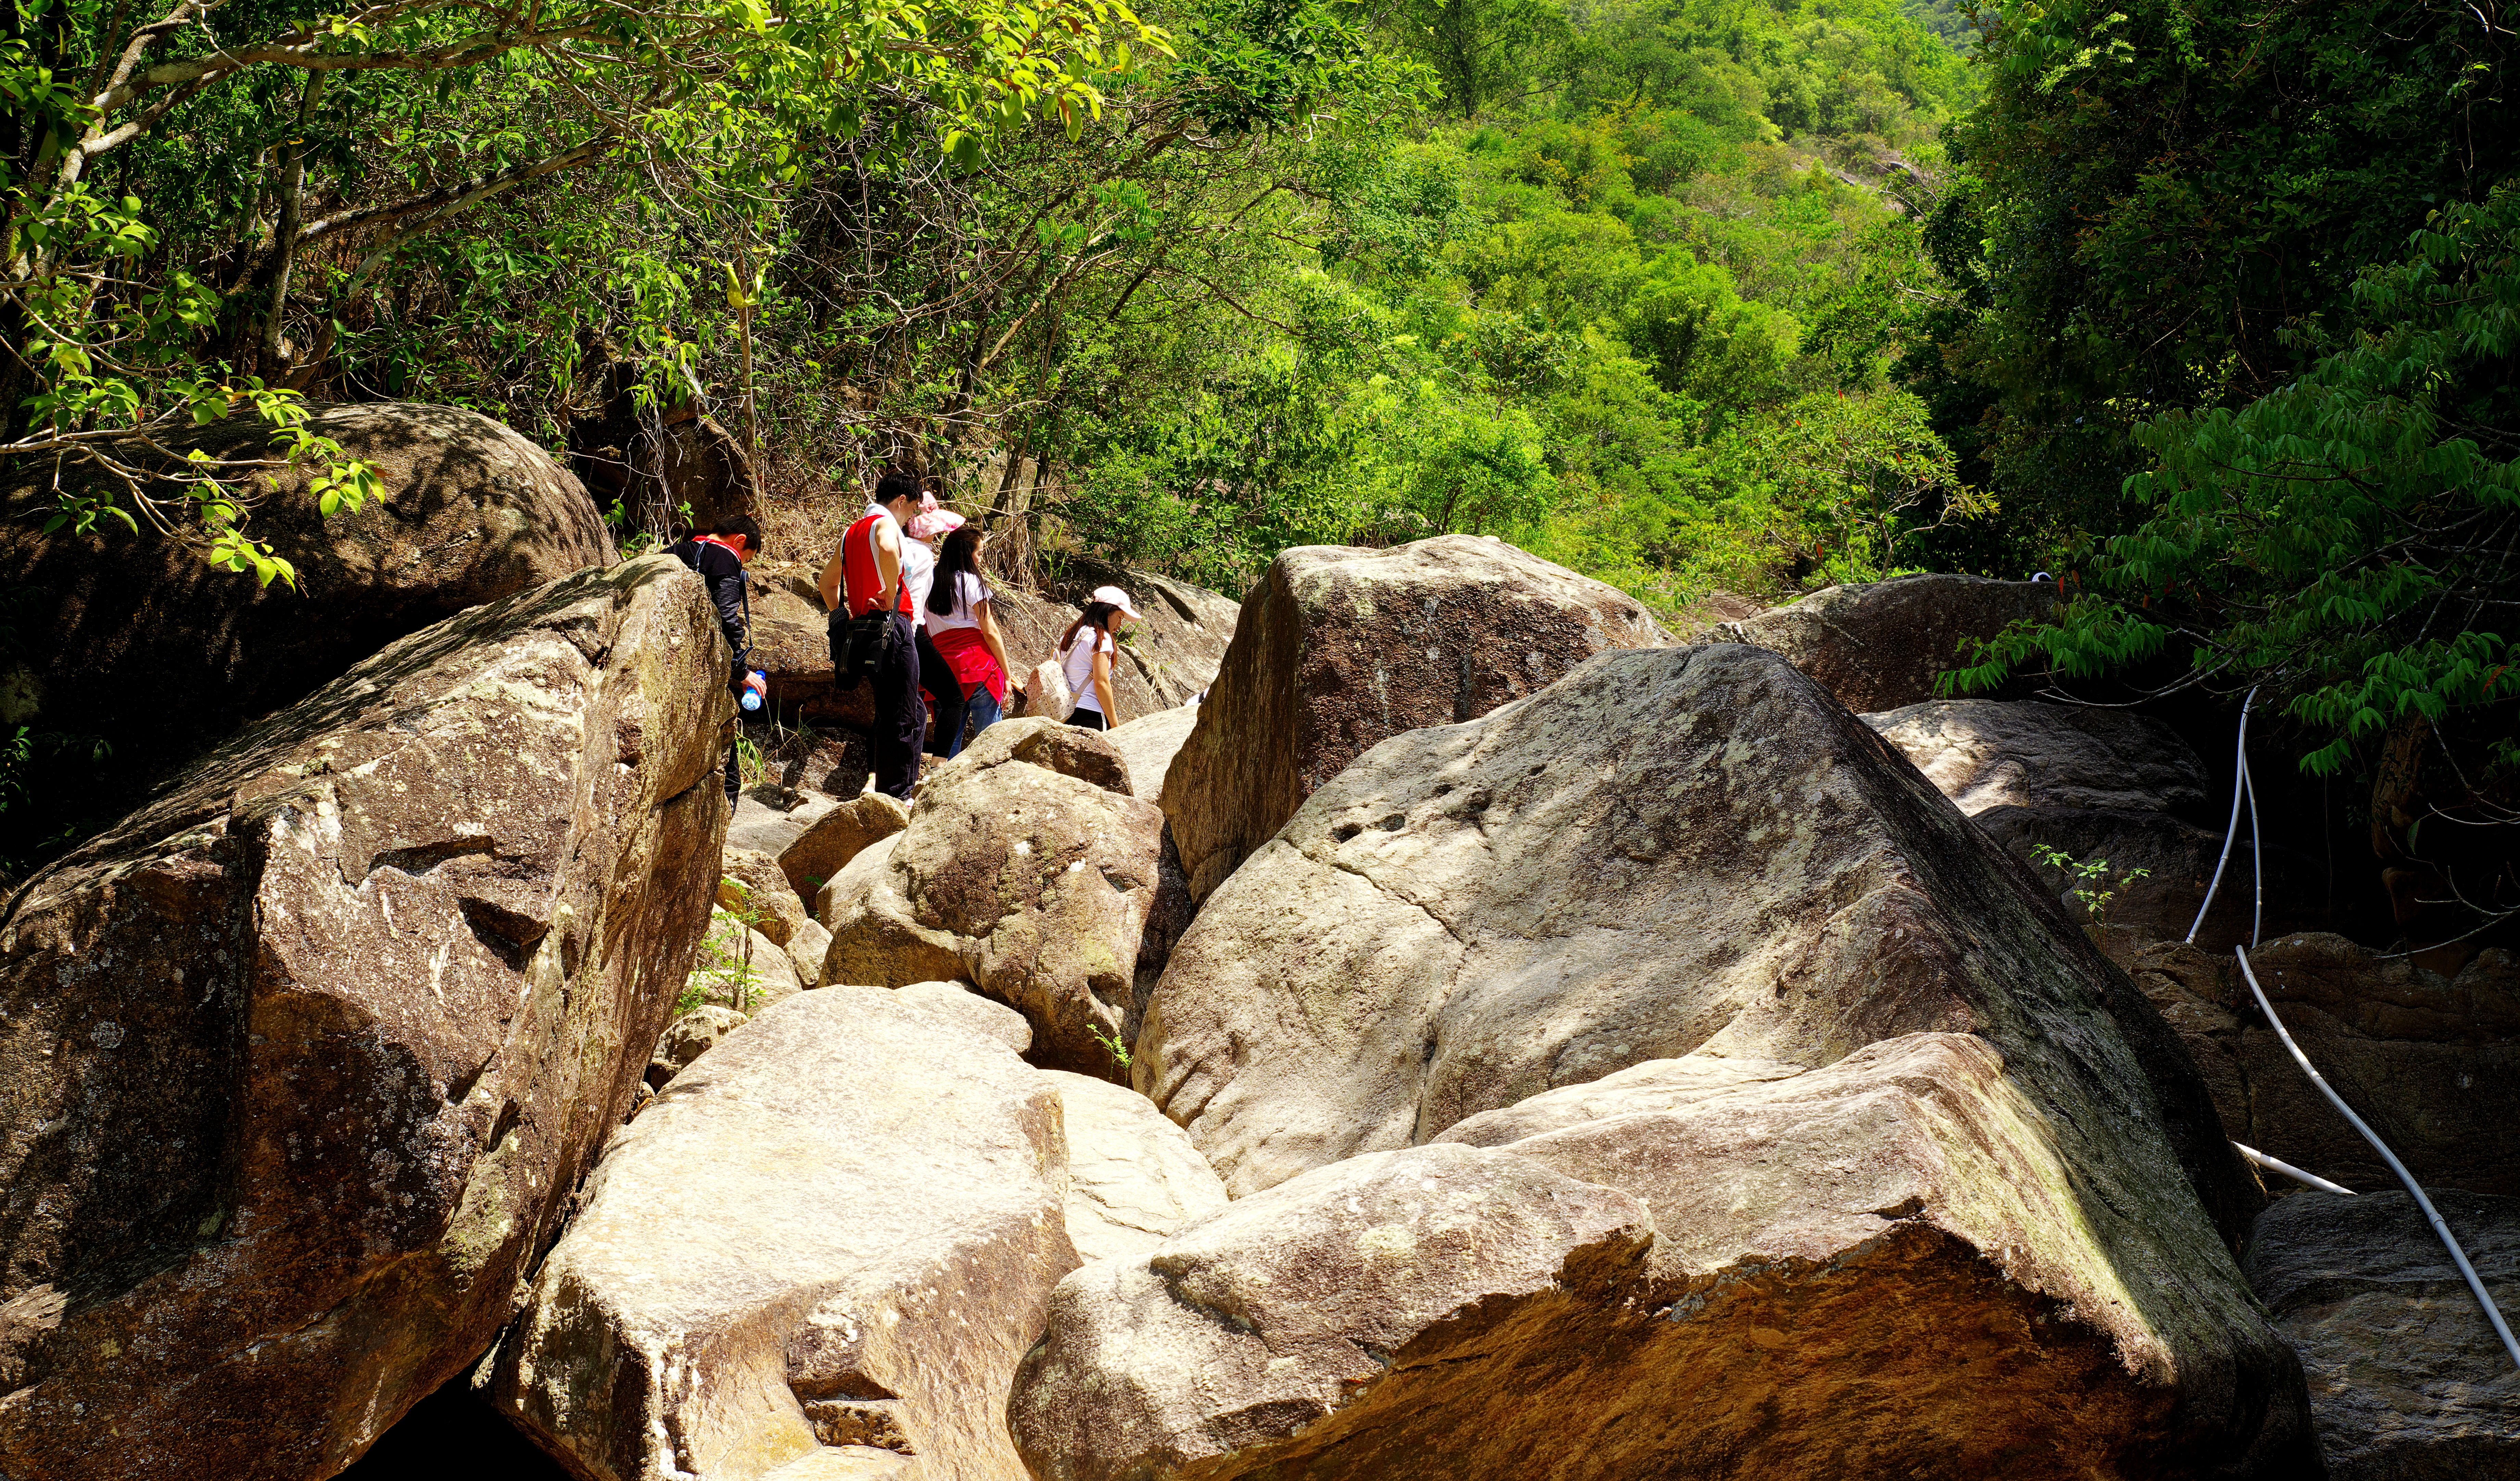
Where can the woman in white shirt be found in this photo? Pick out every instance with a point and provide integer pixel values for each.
(963, 630)
(1087, 651)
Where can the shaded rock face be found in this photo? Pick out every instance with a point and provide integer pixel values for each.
(1984, 753)
(2431, 1062)
(143, 641)
(1133, 1177)
(2407, 1382)
(1880, 645)
(2102, 786)
(1876, 1269)
(836, 1232)
(1340, 648)
(1049, 893)
(1666, 852)
(304, 1060)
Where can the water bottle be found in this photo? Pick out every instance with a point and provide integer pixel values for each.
(750, 699)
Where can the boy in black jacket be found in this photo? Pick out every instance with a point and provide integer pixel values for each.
(719, 556)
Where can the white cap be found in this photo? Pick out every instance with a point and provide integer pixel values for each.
(1117, 598)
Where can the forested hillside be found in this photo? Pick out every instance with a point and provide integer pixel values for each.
(1688, 294)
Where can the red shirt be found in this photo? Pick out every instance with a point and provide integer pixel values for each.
(861, 578)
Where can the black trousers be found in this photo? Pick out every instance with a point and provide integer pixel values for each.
(900, 714)
(938, 678)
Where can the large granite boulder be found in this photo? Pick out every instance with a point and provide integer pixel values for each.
(832, 1236)
(1879, 1267)
(1669, 851)
(2407, 1382)
(1340, 648)
(145, 642)
(304, 1060)
(1133, 1176)
(1051, 893)
(1880, 645)
(2431, 1062)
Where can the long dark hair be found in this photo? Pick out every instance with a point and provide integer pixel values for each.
(959, 557)
(1096, 615)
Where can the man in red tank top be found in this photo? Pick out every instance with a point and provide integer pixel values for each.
(864, 575)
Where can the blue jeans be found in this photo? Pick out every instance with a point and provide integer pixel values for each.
(984, 710)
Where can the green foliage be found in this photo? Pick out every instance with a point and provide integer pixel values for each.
(2345, 541)
(2088, 880)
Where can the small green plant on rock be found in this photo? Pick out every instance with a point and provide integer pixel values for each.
(1111, 1042)
(2088, 880)
(726, 957)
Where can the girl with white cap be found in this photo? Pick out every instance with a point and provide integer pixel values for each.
(1088, 661)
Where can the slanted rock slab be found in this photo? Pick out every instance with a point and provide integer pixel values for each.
(304, 1059)
(1984, 753)
(1338, 648)
(1876, 1269)
(1149, 743)
(836, 1232)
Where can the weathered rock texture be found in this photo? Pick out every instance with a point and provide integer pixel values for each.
(1133, 1176)
(1149, 743)
(302, 1061)
(1879, 645)
(1049, 893)
(1876, 1269)
(1698, 851)
(837, 1231)
(147, 643)
(957, 1003)
(1984, 753)
(2431, 1062)
(2178, 859)
(2407, 1381)
(839, 835)
(771, 824)
(1340, 648)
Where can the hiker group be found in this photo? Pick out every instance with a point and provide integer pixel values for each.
(913, 615)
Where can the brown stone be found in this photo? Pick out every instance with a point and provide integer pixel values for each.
(836, 1232)
(304, 1060)
(753, 884)
(688, 1037)
(145, 642)
(1881, 645)
(1340, 648)
(839, 835)
(2431, 1062)
(1052, 894)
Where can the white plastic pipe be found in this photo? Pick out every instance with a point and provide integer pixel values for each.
(2279, 1165)
(2230, 830)
(2458, 1256)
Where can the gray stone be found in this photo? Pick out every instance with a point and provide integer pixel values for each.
(1984, 753)
(757, 825)
(1881, 645)
(1149, 743)
(840, 833)
(958, 1003)
(2407, 1382)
